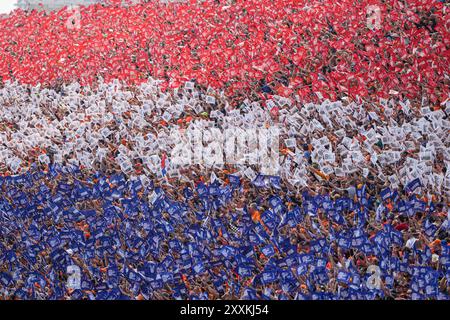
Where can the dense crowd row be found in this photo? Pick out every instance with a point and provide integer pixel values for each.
(74, 226)
(335, 49)
(331, 145)
(96, 204)
(68, 235)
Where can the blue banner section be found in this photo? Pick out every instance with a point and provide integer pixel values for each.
(68, 235)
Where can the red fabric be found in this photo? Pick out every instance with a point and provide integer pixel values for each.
(401, 226)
